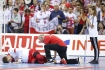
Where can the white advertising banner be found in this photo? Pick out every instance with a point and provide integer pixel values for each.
(79, 45)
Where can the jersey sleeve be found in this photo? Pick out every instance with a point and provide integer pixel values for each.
(75, 17)
(11, 51)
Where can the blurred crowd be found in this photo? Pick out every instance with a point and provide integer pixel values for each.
(72, 15)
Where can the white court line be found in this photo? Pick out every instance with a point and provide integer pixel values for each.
(2, 65)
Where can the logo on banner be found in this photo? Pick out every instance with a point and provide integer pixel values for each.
(31, 41)
(67, 42)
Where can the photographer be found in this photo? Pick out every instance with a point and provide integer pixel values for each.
(60, 30)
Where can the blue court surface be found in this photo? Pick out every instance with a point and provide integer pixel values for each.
(84, 66)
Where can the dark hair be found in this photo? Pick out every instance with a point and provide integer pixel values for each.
(5, 60)
(94, 9)
(82, 8)
(102, 4)
(27, 10)
(16, 9)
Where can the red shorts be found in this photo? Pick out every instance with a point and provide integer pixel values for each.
(39, 58)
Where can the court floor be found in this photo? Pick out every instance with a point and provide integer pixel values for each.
(83, 66)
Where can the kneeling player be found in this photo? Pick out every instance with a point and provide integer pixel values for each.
(24, 56)
(54, 43)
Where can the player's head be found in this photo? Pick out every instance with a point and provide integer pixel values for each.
(41, 38)
(7, 59)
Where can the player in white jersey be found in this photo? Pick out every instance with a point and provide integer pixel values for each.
(23, 56)
(31, 56)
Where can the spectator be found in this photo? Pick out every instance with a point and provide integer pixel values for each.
(49, 3)
(73, 3)
(57, 13)
(103, 1)
(98, 6)
(10, 7)
(52, 8)
(35, 5)
(27, 2)
(71, 21)
(77, 13)
(66, 13)
(6, 19)
(32, 13)
(48, 7)
(42, 17)
(62, 5)
(15, 21)
(81, 20)
(60, 30)
(22, 7)
(17, 3)
(26, 19)
(101, 29)
(103, 16)
(99, 15)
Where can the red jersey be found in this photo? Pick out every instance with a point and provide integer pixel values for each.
(27, 19)
(51, 39)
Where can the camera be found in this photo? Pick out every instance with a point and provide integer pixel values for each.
(58, 29)
(85, 27)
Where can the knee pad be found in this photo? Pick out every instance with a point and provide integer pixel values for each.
(35, 53)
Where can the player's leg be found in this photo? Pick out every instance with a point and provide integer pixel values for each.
(96, 50)
(54, 47)
(63, 53)
(72, 61)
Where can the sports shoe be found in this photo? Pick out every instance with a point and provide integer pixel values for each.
(91, 61)
(63, 61)
(94, 62)
(80, 61)
(50, 62)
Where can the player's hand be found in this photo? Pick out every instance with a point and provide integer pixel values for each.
(58, 16)
(37, 21)
(11, 21)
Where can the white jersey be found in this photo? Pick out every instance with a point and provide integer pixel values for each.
(66, 15)
(71, 17)
(93, 31)
(42, 17)
(19, 54)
